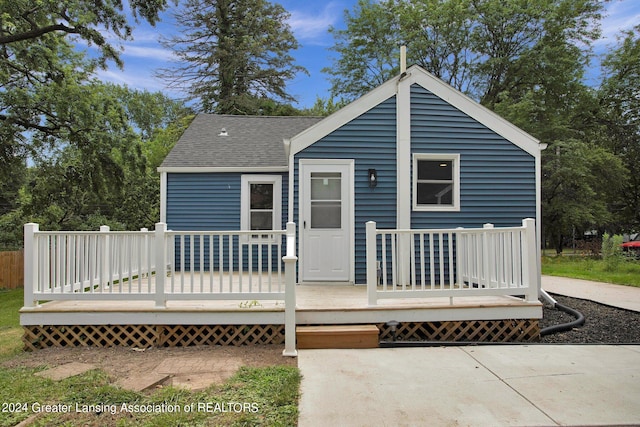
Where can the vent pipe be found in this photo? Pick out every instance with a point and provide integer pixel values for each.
(403, 59)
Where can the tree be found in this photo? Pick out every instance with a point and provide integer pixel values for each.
(619, 117)
(115, 183)
(232, 56)
(486, 48)
(367, 49)
(36, 54)
(579, 181)
(44, 103)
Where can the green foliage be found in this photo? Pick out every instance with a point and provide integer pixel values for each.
(486, 48)
(578, 181)
(612, 252)
(42, 99)
(233, 56)
(367, 49)
(618, 117)
(325, 107)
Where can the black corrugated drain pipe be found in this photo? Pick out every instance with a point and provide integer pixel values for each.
(563, 327)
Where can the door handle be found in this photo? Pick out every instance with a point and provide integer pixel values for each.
(304, 224)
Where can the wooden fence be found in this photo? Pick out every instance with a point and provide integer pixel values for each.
(11, 269)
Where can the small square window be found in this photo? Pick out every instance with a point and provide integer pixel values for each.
(436, 182)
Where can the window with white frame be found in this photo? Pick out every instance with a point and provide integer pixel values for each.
(261, 205)
(436, 182)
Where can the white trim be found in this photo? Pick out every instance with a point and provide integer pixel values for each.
(473, 109)
(163, 197)
(351, 211)
(245, 201)
(419, 76)
(403, 153)
(341, 117)
(292, 180)
(455, 159)
(245, 169)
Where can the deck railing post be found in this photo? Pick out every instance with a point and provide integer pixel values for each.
(290, 260)
(105, 266)
(530, 269)
(488, 253)
(372, 273)
(159, 248)
(31, 263)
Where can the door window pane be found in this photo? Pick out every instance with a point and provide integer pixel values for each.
(325, 186)
(326, 215)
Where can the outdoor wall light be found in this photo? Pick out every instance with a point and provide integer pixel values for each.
(373, 178)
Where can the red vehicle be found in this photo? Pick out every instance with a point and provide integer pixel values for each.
(633, 244)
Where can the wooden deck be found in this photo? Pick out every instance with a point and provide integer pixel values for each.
(315, 304)
(212, 322)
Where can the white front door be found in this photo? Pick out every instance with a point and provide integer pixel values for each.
(326, 219)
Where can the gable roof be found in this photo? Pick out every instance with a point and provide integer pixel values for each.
(417, 75)
(251, 143)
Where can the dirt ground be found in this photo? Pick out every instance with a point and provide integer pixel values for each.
(121, 362)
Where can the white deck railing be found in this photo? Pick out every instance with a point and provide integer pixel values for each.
(161, 266)
(452, 262)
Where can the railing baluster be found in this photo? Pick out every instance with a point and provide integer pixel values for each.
(230, 239)
(432, 266)
(394, 267)
(211, 262)
(201, 263)
(412, 261)
(422, 266)
(220, 259)
(383, 266)
(240, 262)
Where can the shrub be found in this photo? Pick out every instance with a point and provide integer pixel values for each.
(612, 252)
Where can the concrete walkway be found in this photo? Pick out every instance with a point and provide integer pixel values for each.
(536, 385)
(492, 385)
(606, 293)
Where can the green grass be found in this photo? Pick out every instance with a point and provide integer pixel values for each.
(10, 331)
(621, 272)
(254, 396)
(267, 396)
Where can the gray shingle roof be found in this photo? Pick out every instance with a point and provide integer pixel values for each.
(252, 141)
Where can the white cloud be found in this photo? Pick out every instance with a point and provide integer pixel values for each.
(134, 79)
(620, 15)
(312, 28)
(146, 51)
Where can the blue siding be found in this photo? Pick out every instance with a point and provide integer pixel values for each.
(370, 140)
(497, 178)
(203, 201)
(209, 202)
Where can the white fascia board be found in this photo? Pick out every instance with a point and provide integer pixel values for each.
(223, 169)
(476, 111)
(343, 116)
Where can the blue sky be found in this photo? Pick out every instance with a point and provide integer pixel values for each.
(310, 21)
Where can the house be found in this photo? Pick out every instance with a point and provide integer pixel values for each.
(413, 153)
(414, 190)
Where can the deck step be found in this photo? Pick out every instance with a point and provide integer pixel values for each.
(337, 336)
